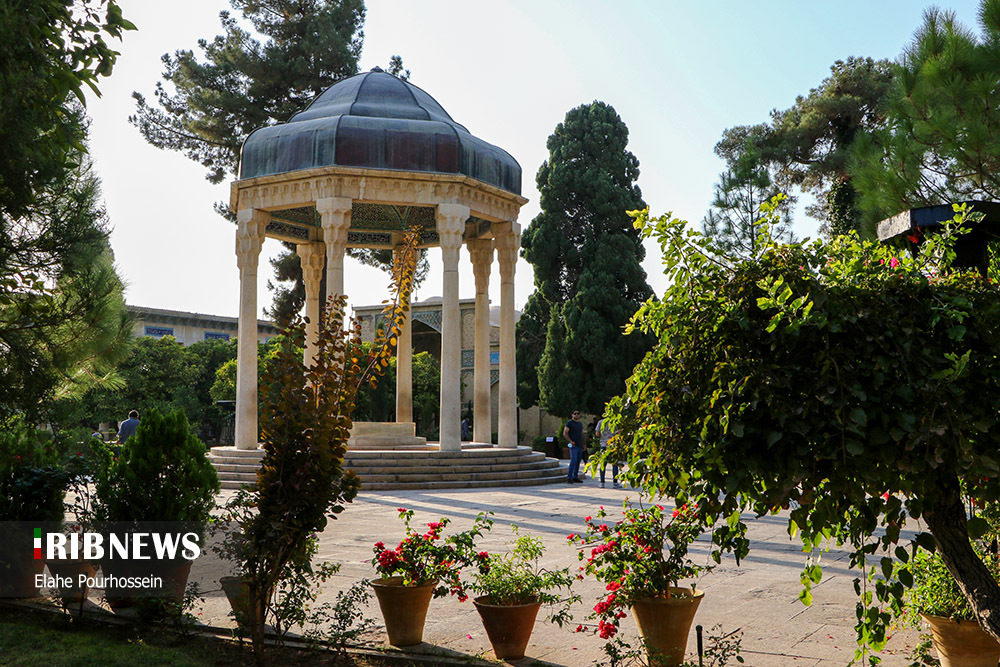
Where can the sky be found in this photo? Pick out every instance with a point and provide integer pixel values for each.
(677, 72)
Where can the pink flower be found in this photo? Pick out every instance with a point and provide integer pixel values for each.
(893, 263)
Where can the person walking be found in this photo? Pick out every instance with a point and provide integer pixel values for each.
(573, 432)
(127, 428)
(605, 433)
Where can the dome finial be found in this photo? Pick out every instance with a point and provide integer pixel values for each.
(377, 69)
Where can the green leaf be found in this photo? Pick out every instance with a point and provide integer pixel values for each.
(978, 527)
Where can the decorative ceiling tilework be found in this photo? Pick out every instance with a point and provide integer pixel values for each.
(278, 228)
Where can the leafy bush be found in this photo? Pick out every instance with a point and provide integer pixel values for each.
(160, 474)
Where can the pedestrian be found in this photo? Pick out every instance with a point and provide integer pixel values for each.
(127, 428)
(95, 432)
(605, 433)
(573, 432)
(465, 429)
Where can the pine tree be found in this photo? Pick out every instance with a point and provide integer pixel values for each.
(63, 324)
(244, 82)
(586, 256)
(808, 146)
(736, 216)
(941, 141)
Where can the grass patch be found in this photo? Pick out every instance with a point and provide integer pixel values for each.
(35, 639)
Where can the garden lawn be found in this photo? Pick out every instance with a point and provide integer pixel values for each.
(29, 639)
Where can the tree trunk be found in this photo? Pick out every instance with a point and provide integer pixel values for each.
(947, 522)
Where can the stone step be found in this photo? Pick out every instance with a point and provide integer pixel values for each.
(476, 465)
(445, 470)
(451, 484)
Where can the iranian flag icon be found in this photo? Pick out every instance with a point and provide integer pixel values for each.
(38, 543)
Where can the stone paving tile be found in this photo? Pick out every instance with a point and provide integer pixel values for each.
(759, 596)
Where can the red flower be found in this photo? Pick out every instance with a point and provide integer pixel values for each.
(606, 630)
(483, 554)
(913, 238)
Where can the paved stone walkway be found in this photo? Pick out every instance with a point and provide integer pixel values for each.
(759, 596)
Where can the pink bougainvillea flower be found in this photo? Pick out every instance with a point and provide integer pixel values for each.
(893, 263)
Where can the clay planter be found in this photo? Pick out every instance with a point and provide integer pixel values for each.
(404, 609)
(508, 626)
(238, 592)
(72, 569)
(962, 643)
(665, 624)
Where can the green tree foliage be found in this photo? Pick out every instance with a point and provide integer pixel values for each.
(160, 474)
(63, 324)
(737, 212)
(206, 107)
(158, 373)
(51, 53)
(855, 383)
(808, 146)
(62, 318)
(941, 141)
(586, 257)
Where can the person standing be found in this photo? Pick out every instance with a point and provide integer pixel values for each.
(127, 428)
(573, 432)
(605, 433)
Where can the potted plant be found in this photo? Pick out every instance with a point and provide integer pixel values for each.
(422, 566)
(936, 598)
(512, 587)
(161, 474)
(32, 486)
(84, 455)
(641, 559)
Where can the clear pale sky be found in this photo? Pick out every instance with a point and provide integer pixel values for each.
(677, 72)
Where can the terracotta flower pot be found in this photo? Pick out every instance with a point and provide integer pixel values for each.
(238, 592)
(404, 609)
(665, 624)
(508, 626)
(962, 643)
(71, 570)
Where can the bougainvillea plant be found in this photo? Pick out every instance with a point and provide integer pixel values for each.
(421, 558)
(814, 378)
(643, 555)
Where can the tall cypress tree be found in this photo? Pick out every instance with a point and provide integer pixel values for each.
(586, 255)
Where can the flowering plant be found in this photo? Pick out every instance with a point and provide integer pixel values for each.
(424, 558)
(644, 555)
(516, 578)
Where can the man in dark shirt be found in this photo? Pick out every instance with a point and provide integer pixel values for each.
(127, 429)
(573, 432)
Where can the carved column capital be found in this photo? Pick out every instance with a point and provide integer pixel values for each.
(335, 218)
(481, 254)
(451, 220)
(251, 224)
(313, 259)
(508, 243)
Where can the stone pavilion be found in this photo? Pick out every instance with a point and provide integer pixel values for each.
(370, 157)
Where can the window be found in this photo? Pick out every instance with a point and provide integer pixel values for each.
(159, 332)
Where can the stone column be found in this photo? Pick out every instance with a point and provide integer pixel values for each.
(508, 242)
(450, 226)
(481, 254)
(335, 217)
(312, 256)
(404, 369)
(251, 224)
